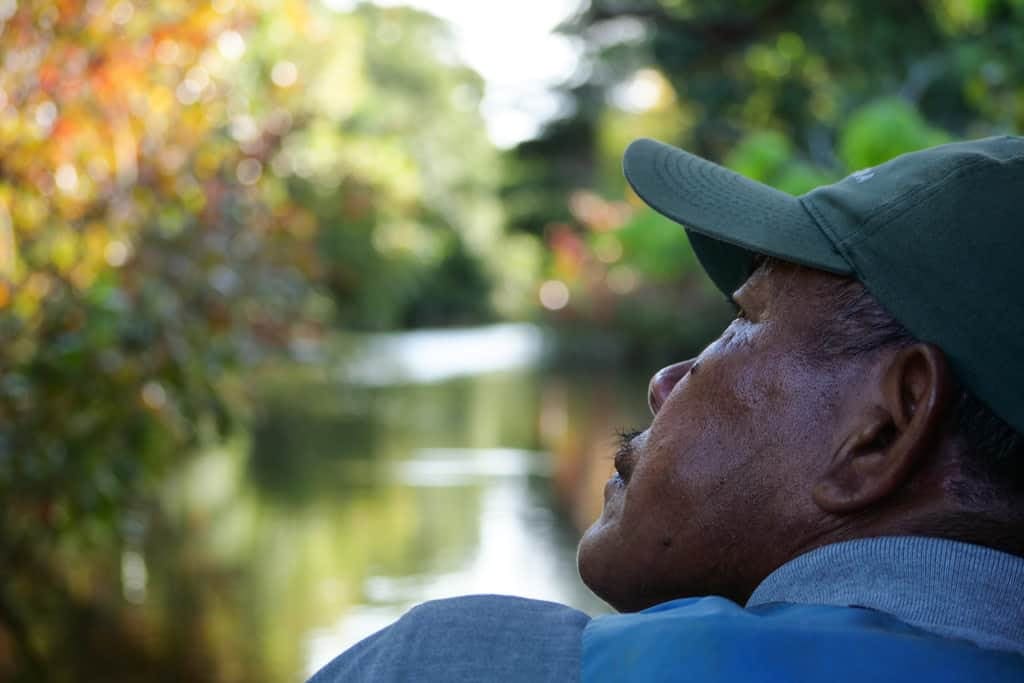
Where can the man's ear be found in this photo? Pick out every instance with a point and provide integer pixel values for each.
(893, 430)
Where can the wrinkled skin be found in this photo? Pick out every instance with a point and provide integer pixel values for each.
(717, 492)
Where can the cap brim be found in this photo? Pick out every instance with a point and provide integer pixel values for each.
(728, 218)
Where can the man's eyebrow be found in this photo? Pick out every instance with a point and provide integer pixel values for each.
(751, 283)
(753, 294)
(760, 267)
(742, 298)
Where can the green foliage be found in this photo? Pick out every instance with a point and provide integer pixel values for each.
(883, 129)
(762, 156)
(134, 245)
(396, 171)
(456, 292)
(655, 246)
(770, 158)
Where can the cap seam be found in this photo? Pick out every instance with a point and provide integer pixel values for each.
(823, 224)
(901, 205)
(904, 203)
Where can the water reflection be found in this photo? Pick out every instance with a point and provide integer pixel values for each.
(414, 491)
(468, 466)
(341, 506)
(518, 547)
(436, 355)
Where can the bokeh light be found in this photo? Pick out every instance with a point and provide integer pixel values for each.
(554, 295)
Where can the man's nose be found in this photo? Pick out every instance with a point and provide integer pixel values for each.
(664, 381)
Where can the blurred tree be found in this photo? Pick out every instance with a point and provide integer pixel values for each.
(183, 188)
(390, 159)
(803, 67)
(134, 247)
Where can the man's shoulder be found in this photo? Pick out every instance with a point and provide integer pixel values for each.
(714, 639)
(469, 638)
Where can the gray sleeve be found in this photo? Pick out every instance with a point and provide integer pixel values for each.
(470, 638)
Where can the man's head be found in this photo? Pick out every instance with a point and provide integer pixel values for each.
(816, 416)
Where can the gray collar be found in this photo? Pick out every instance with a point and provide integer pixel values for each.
(952, 589)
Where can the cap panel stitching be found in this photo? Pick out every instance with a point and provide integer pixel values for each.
(892, 210)
(896, 208)
(823, 224)
(977, 158)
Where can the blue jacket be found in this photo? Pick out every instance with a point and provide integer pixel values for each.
(713, 640)
(880, 609)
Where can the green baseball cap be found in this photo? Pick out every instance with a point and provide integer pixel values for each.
(937, 236)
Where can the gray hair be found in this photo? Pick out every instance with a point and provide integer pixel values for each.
(993, 452)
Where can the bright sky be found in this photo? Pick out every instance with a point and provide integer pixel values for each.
(513, 46)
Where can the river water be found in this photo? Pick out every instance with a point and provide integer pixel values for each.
(412, 467)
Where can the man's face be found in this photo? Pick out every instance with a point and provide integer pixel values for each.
(716, 493)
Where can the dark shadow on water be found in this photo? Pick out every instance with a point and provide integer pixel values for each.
(296, 455)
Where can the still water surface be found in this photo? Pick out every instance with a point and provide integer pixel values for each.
(427, 467)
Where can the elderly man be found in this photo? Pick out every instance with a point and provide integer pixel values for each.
(834, 488)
